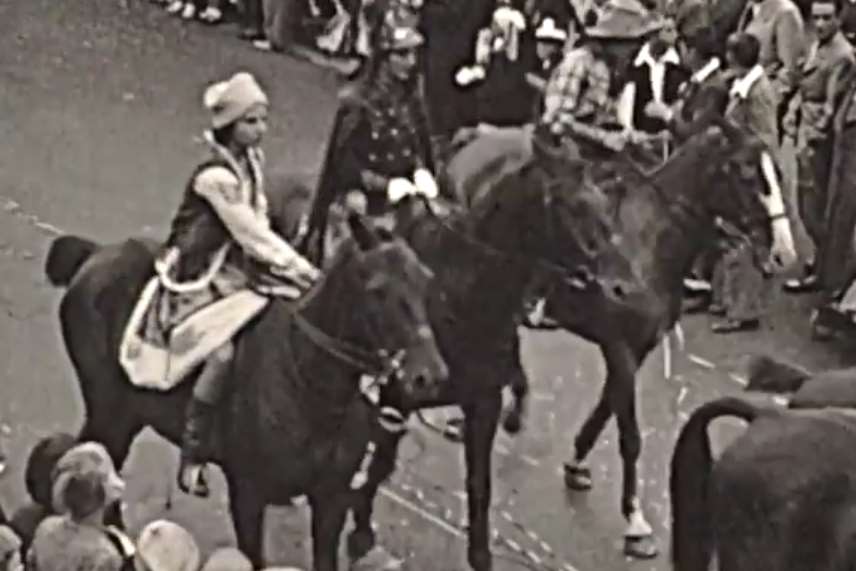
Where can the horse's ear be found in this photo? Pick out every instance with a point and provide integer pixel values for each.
(363, 234)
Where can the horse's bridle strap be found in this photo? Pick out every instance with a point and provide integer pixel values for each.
(351, 354)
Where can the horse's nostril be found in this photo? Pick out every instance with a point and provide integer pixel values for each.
(421, 381)
(619, 291)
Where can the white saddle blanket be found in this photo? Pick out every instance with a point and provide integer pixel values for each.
(162, 363)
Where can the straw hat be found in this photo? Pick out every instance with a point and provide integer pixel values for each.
(227, 559)
(549, 32)
(624, 20)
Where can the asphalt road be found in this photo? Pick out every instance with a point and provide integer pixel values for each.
(99, 110)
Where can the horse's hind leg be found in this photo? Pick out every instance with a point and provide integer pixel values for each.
(362, 539)
(328, 519)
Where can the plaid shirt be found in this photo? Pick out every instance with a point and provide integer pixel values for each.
(577, 90)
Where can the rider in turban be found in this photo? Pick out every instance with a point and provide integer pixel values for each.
(220, 242)
(380, 148)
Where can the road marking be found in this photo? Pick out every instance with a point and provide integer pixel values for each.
(428, 516)
(701, 362)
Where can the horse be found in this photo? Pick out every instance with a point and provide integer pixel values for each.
(664, 220)
(528, 214)
(821, 389)
(781, 497)
(295, 422)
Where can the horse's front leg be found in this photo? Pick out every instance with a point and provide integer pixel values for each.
(362, 543)
(621, 391)
(481, 420)
(329, 508)
(248, 511)
(577, 473)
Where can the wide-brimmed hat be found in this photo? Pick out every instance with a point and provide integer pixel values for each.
(548, 32)
(227, 559)
(624, 20)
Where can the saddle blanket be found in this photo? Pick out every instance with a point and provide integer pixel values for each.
(159, 359)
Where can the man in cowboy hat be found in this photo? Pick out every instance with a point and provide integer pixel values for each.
(380, 148)
(578, 99)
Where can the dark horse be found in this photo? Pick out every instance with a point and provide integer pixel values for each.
(664, 220)
(833, 387)
(781, 497)
(296, 422)
(531, 214)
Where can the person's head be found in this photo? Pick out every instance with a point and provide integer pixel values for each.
(742, 51)
(10, 550)
(38, 475)
(239, 111)
(825, 18)
(549, 39)
(85, 481)
(667, 36)
(166, 546)
(698, 49)
(227, 559)
(399, 47)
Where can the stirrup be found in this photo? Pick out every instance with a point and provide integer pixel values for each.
(198, 482)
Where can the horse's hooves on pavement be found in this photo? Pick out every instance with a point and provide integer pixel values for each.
(578, 477)
(644, 547)
(512, 423)
(377, 559)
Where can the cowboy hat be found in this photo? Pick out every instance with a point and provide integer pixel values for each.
(624, 20)
(548, 31)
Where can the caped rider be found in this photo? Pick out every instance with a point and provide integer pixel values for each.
(220, 238)
(380, 148)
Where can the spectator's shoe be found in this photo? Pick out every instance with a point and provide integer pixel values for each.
(174, 7)
(211, 15)
(251, 35)
(694, 287)
(189, 11)
(735, 325)
(716, 309)
(263, 45)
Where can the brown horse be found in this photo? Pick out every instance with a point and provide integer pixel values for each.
(664, 221)
(532, 215)
(781, 497)
(296, 422)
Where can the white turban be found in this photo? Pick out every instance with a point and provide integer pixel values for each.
(230, 100)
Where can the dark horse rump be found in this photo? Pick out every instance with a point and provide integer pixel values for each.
(781, 497)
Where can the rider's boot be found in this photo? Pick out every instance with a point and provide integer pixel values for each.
(199, 421)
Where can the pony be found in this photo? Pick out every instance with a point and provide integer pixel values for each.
(528, 214)
(664, 220)
(296, 422)
(781, 496)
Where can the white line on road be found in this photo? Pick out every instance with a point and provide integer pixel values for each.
(428, 516)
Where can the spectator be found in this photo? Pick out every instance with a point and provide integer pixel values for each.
(826, 77)
(209, 11)
(10, 550)
(38, 480)
(166, 546)
(655, 77)
(739, 281)
(227, 559)
(84, 484)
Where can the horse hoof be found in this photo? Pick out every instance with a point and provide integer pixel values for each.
(481, 561)
(644, 547)
(377, 559)
(360, 543)
(454, 430)
(512, 423)
(578, 477)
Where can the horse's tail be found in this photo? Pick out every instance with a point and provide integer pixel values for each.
(770, 375)
(65, 257)
(689, 483)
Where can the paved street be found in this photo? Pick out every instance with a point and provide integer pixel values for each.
(99, 111)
